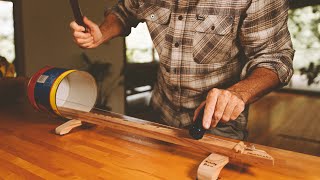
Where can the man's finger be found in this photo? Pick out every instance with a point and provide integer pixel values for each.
(196, 112)
(76, 27)
(229, 109)
(214, 122)
(237, 111)
(86, 45)
(92, 46)
(80, 34)
(209, 108)
(85, 41)
(221, 104)
(89, 23)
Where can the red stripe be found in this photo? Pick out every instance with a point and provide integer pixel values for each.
(32, 84)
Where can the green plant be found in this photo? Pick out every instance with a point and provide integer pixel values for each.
(311, 72)
(100, 71)
(304, 27)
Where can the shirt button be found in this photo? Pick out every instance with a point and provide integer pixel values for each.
(212, 27)
(176, 44)
(152, 16)
(180, 17)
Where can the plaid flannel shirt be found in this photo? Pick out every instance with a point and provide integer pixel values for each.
(209, 44)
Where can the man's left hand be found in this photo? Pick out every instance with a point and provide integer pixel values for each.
(220, 105)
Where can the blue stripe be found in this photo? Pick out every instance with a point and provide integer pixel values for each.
(42, 90)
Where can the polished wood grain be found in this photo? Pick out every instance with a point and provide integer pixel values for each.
(29, 149)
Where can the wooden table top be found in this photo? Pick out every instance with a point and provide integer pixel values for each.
(29, 149)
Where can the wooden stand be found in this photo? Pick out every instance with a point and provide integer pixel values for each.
(66, 127)
(210, 167)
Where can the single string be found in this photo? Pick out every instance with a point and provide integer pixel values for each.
(114, 113)
(94, 108)
(99, 109)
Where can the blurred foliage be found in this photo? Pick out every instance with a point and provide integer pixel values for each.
(304, 26)
(311, 72)
(2, 37)
(7, 47)
(139, 55)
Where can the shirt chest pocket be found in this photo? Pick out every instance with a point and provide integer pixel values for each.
(213, 38)
(157, 19)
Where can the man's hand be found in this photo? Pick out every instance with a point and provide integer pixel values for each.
(90, 39)
(220, 105)
(226, 105)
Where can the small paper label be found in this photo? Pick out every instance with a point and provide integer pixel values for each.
(42, 79)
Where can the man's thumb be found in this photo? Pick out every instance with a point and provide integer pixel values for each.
(89, 23)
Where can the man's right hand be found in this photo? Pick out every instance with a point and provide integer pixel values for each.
(90, 39)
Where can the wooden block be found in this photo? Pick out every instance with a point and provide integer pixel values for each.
(210, 167)
(68, 126)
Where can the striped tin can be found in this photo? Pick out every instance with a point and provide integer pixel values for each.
(52, 88)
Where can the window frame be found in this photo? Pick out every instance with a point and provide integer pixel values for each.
(18, 37)
(153, 51)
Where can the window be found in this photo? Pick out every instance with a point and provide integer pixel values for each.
(139, 46)
(141, 70)
(7, 45)
(304, 26)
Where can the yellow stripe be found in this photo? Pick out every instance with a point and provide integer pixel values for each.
(54, 89)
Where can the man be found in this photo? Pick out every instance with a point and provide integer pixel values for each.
(220, 55)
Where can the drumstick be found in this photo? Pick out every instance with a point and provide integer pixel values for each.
(77, 14)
